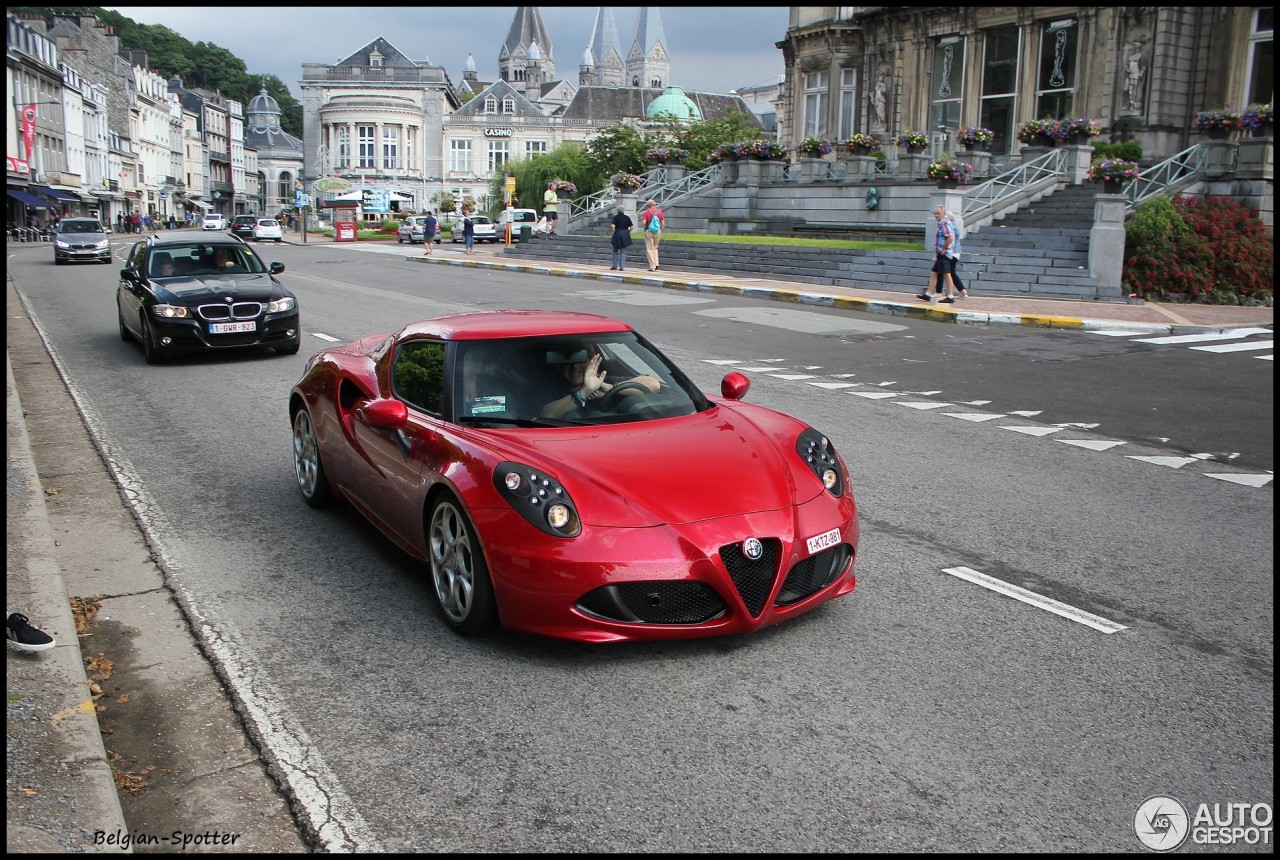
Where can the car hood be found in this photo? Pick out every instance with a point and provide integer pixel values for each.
(197, 288)
(711, 464)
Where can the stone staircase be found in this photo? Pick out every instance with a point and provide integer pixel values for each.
(1039, 252)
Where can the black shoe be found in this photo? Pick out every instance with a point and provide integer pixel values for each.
(23, 636)
(924, 297)
(947, 300)
(613, 268)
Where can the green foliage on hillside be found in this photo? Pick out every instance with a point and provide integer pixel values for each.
(201, 65)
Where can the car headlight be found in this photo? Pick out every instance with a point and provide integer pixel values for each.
(170, 312)
(539, 498)
(820, 455)
(104, 243)
(61, 244)
(285, 304)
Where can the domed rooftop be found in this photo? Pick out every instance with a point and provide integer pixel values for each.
(263, 103)
(674, 103)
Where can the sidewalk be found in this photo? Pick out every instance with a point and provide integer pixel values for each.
(1153, 317)
(59, 788)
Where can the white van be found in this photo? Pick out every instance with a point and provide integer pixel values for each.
(516, 217)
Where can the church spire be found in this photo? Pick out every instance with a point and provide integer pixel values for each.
(648, 63)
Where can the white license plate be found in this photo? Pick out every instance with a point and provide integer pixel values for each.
(822, 541)
(232, 328)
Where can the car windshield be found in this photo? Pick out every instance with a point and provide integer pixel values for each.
(267, 222)
(525, 382)
(202, 258)
(80, 227)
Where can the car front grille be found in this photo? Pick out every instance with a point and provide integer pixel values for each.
(237, 311)
(753, 579)
(654, 602)
(814, 574)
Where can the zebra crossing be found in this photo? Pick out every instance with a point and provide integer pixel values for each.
(840, 383)
(1231, 340)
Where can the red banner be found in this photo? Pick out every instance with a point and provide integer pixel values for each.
(29, 128)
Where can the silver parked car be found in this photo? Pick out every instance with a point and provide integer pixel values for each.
(412, 231)
(81, 239)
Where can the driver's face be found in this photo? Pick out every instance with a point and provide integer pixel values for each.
(575, 372)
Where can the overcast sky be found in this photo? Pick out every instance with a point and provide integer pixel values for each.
(713, 49)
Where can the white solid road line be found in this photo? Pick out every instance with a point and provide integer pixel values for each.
(1030, 597)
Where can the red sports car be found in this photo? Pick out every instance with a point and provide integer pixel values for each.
(559, 475)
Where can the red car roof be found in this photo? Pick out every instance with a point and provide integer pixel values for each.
(499, 324)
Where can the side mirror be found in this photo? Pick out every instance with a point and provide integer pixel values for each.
(127, 272)
(734, 385)
(276, 268)
(384, 414)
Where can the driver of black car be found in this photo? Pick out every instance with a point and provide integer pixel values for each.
(584, 381)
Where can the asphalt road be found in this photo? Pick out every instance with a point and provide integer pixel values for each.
(921, 712)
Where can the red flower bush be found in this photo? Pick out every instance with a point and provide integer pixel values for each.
(1200, 249)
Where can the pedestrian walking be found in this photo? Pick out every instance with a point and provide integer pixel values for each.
(137, 223)
(940, 275)
(653, 222)
(119, 222)
(173, 221)
(620, 241)
(957, 226)
(429, 225)
(468, 232)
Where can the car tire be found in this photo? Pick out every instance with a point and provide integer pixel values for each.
(149, 350)
(399, 239)
(308, 468)
(459, 573)
(57, 261)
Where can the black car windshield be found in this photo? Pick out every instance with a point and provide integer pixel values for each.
(530, 382)
(80, 227)
(203, 258)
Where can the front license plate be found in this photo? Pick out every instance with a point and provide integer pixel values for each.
(822, 541)
(232, 328)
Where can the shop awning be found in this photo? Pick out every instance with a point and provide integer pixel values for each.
(54, 193)
(28, 199)
(201, 204)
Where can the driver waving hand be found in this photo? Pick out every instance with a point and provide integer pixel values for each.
(586, 381)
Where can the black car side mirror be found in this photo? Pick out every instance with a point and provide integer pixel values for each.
(276, 268)
(127, 272)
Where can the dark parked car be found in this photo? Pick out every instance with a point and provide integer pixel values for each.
(242, 225)
(184, 293)
(636, 508)
(81, 239)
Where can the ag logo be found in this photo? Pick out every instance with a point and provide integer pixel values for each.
(1161, 823)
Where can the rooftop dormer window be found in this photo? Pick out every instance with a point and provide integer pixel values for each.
(490, 105)
(375, 60)
(508, 105)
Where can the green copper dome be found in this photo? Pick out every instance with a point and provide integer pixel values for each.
(674, 103)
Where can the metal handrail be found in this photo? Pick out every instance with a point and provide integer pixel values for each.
(1157, 179)
(654, 186)
(1014, 182)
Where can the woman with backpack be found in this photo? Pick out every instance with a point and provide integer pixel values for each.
(652, 220)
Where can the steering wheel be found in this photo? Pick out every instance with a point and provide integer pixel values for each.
(609, 401)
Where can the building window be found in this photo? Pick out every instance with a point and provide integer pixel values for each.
(848, 101)
(946, 84)
(344, 147)
(490, 104)
(508, 105)
(1056, 77)
(366, 143)
(284, 187)
(1261, 86)
(534, 147)
(1000, 86)
(499, 152)
(815, 103)
(460, 150)
(390, 147)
